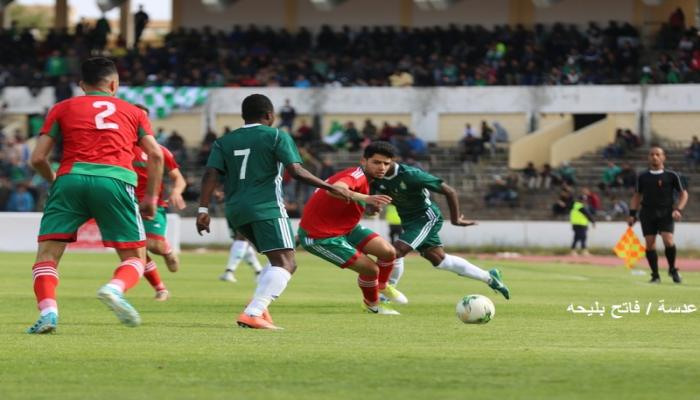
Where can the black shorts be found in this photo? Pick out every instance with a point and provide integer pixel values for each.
(655, 221)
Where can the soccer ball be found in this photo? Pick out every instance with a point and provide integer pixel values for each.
(475, 309)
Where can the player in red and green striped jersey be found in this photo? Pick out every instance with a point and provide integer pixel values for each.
(330, 229)
(95, 180)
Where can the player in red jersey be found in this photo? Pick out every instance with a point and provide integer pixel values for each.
(156, 228)
(329, 229)
(95, 180)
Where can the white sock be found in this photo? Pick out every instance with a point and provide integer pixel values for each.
(236, 254)
(462, 267)
(263, 272)
(397, 272)
(270, 286)
(252, 258)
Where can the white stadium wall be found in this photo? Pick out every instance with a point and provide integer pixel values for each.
(25, 227)
(21, 231)
(433, 110)
(430, 109)
(487, 233)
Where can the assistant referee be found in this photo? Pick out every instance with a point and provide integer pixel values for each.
(656, 191)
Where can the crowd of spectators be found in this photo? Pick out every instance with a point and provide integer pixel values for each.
(616, 184)
(680, 60)
(503, 191)
(606, 200)
(348, 136)
(625, 140)
(692, 153)
(370, 56)
(475, 144)
(20, 188)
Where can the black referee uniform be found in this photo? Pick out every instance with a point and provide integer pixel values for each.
(658, 190)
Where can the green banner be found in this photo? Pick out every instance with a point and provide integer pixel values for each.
(161, 101)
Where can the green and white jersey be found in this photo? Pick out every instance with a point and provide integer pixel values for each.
(409, 188)
(252, 160)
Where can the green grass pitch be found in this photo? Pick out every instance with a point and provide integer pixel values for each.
(189, 347)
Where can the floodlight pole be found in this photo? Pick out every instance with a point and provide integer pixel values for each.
(126, 23)
(61, 14)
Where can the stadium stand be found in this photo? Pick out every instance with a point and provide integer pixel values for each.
(446, 55)
(378, 56)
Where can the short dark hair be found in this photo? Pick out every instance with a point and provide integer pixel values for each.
(658, 146)
(381, 147)
(95, 70)
(255, 107)
(144, 108)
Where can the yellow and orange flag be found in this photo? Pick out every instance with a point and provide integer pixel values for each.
(629, 248)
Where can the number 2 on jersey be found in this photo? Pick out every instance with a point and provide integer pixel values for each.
(100, 117)
(245, 153)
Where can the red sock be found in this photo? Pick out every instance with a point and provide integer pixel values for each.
(151, 274)
(385, 268)
(368, 285)
(45, 282)
(127, 274)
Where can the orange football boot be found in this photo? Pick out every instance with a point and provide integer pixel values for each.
(247, 321)
(266, 316)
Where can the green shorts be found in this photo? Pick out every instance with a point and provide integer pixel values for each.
(232, 232)
(74, 199)
(421, 233)
(339, 250)
(267, 235)
(157, 227)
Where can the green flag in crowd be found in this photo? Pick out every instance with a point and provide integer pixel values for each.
(161, 101)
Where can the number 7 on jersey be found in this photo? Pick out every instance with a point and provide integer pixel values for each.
(245, 153)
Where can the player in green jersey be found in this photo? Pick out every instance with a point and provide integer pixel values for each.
(421, 220)
(252, 160)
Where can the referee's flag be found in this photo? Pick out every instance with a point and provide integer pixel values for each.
(629, 248)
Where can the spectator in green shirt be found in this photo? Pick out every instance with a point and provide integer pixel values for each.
(56, 66)
(610, 176)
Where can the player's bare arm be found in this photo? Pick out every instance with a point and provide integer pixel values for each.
(40, 158)
(376, 201)
(179, 184)
(456, 217)
(154, 165)
(682, 201)
(635, 201)
(303, 175)
(210, 181)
